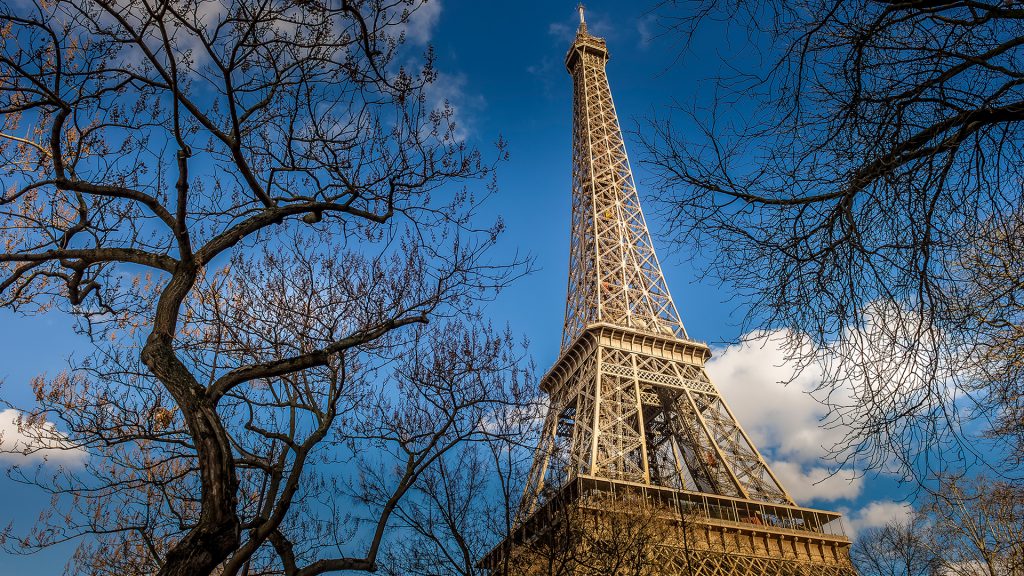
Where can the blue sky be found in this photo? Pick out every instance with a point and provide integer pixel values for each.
(501, 65)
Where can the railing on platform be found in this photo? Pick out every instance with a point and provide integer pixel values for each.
(736, 511)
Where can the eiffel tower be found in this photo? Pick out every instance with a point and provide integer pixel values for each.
(631, 407)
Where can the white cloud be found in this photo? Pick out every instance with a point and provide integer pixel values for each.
(771, 400)
(875, 515)
(562, 31)
(422, 21)
(645, 29)
(779, 404)
(815, 483)
(450, 89)
(21, 442)
(769, 397)
(210, 13)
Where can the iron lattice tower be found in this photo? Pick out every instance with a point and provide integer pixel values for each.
(632, 409)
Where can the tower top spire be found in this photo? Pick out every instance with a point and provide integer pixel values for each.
(583, 20)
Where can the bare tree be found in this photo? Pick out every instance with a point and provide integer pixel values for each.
(859, 190)
(900, 548)
(465, 508)
(990, 302)
(967, 527)
(461, 508)
(599, 534)
(450, 523)
(976, 527)
(255, 210)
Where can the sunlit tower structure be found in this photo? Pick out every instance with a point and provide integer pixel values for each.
(631, 407)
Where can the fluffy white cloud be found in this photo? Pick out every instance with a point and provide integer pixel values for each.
(758, 381)
(422, 21)
(875, 515)
(19, 445)
(772, 401)
(562, 31)
(646, 29)
(809, 483)
(450, 90)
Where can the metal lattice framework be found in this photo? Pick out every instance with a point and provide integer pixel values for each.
(631, 405)
(639, 407)
(614, 274)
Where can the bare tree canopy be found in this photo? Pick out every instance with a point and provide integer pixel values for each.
(262, 220)
(863, 190)
(467, 503)
(976, 527)
(899, 548)
(600, 534)
(968, 527)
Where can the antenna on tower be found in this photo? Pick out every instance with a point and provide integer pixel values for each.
(583, 22)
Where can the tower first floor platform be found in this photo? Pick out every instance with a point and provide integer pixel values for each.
(590, 526)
